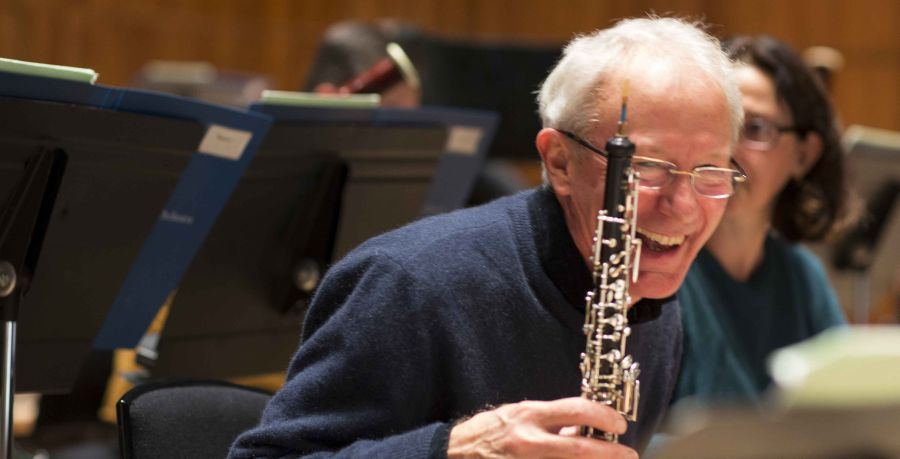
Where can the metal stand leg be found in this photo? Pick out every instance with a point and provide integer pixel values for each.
(7, 388)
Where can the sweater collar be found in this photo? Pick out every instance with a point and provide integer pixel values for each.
(562, 262)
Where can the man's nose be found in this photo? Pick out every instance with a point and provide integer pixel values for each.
(680, 200)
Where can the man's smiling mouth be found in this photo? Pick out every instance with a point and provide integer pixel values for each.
(656, 242)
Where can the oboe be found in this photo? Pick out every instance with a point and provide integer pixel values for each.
(609, 375)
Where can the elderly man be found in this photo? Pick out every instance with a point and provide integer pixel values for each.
(460, 335)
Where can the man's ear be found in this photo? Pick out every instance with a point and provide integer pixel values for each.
(808, 153)
(557, 159)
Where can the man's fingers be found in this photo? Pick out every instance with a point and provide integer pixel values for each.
(576, 411)
(555, 446)
(531, 430)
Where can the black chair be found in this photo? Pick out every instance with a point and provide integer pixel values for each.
(192, 419)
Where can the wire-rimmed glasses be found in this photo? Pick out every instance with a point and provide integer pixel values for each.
(708, 181)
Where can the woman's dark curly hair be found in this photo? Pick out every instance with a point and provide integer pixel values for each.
(815, 206)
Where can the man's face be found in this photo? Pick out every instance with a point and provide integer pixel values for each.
(686, 124)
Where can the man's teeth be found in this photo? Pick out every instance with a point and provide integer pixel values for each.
(661, 239)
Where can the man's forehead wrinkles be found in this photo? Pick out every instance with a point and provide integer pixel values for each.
(695, 156)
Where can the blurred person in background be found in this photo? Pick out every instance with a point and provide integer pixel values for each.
(754, 288)
(350, 48)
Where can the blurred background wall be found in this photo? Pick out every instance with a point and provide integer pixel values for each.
(279, 38)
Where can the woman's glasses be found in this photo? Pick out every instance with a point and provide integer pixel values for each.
(762, 134)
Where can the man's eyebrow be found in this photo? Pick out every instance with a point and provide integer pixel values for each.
(709, 157)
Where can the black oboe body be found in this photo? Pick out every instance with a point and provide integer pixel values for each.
(609, 374)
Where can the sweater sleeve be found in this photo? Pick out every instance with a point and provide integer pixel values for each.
(364, 383)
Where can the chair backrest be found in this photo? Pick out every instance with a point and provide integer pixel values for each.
(193, 419)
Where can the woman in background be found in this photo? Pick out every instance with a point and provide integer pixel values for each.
(753, 288)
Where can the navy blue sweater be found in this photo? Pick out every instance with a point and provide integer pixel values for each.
(440, 319)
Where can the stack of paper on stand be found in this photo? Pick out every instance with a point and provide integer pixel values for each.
(310, 99)
(60, 72)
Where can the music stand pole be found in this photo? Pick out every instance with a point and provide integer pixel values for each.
(6, 391)
(23, 223)
(7, 288)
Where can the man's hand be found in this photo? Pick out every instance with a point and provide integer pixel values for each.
(532, 430)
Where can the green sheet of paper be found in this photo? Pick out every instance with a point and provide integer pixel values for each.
(48, 70)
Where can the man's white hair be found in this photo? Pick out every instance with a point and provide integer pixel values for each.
(570, 96)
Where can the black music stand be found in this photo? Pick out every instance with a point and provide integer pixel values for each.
(121, 170)
(323, 181)
(23, 222)
(72, 255)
